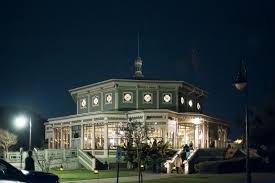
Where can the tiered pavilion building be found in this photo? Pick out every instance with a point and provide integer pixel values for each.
(174, 110)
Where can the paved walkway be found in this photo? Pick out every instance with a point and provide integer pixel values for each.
(226, 178)
(146, 176)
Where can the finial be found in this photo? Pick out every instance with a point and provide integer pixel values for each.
(138, 62)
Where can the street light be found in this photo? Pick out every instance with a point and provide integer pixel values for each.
(21, 122)
(241, 83)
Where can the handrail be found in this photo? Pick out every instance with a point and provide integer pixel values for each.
(84, 155)
(172, 160)
(85, 159)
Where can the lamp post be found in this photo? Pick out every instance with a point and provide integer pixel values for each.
(21, 122)
(241, 83)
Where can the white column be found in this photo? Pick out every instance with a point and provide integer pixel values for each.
(196, 145)
(82, 136)
(106, 138)
(207, 136)
(70, 135)
(203, 135)
(137, 103)
(49, 141)
(116, 99)
(93, 137)
(62, 139)
(53, 144)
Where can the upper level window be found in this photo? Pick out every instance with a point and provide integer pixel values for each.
(167, 98)
(190, 103)
(108, 98)
(127, 97)
(95, 100)
(198, 106)
(182, 100)
(147, 97)
(83, 103)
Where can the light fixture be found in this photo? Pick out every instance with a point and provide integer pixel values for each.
(21, 122)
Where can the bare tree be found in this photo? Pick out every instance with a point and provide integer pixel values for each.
(7, 139)
(137, 134)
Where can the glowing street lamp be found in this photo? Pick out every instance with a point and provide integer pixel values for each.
(22, 122)
(241, 84)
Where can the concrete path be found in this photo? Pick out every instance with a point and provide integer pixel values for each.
(146, 176)
(226, 178)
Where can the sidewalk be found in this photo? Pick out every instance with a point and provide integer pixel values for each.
(146, 176)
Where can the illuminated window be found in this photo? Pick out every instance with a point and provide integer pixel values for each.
(190, 103)
(198, 106)
(116, 135)
(99, 136)
(128, 97)
(88, 137)
(95, 100)
(108, 98)
(147, 97)
(167, 98)
(83, 103)
(66, 137)
(181, 100)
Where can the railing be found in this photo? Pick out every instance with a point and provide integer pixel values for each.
(168, 164)
(87, 161)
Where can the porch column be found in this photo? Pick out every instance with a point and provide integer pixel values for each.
(203, 136)
(207, 136)
(61, 137)
(196, 145)
(93, 137)
(53, 144)
(106, 138)
(49, 141)
(82, 136)
(70, 136)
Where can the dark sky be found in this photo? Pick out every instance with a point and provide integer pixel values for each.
(48, 47)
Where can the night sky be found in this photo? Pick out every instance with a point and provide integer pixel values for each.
(48, 47)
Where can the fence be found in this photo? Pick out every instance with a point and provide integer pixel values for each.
(45, 159)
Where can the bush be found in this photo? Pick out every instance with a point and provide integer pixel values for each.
(230, 166)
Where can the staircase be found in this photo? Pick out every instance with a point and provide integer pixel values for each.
(85, 160)
(201, 155)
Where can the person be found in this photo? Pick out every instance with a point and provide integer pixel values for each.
(191, 145)
(155, 143)
(29, 162)
(178, 162)
(186, 149)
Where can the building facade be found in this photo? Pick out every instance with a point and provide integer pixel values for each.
(173, 110)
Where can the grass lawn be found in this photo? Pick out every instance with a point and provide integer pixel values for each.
(216, 178)
(83, 174)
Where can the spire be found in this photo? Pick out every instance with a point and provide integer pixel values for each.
(138, 63)
(138, 44)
